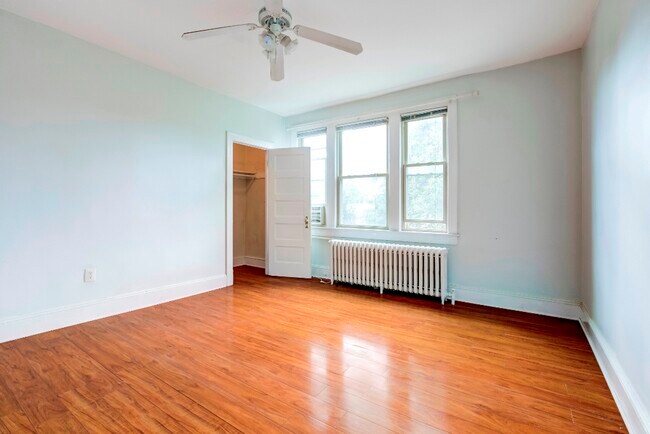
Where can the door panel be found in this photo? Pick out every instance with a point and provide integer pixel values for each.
(289, 228)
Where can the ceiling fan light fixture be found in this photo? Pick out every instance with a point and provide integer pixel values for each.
(289, 44)
(267, 41)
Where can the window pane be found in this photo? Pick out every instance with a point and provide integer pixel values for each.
(316, 143)
(425, 196)
(318, 182)
(364, 150)
(318, 170)
(363, 201)
(318, 153)
(317, 192)
(425, 140)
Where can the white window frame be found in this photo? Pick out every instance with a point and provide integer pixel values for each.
(405, 165)
(395, 157)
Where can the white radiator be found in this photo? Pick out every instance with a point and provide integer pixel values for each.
(415, 269)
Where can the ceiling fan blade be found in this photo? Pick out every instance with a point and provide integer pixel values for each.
(218, 31)
(277, 64)
(329, 39)
(274, 7)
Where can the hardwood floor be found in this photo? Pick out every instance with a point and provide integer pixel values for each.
(282, 355)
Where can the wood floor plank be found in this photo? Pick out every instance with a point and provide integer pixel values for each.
(62, 365)
(8, 402)
(65, 423)
(36, 399)
(16, 422)
(590, 423)
(190, 414)
(278, 355)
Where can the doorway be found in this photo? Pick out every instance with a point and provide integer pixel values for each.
(249, 206)
(287, 246)
(231, 140)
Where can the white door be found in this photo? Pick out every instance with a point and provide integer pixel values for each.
(288, 213)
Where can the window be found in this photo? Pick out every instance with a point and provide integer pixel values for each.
(424, 171)
(363, 174)
(391, 176)
(317, 141)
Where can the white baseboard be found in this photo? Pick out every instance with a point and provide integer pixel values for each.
(251, 261)
(26, 325)
(635, 415)
(569, 309)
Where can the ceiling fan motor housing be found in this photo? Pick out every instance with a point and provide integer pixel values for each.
(275, 24)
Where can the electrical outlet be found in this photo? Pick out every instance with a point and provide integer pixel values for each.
(90, 275)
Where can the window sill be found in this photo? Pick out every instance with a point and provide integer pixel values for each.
(385, 235)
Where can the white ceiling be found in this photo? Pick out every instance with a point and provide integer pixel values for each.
(406, 42)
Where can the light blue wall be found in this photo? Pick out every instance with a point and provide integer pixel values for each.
(519, 174)
(616, 185)
(108, 163)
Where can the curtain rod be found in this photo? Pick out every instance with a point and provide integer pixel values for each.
(426, 105)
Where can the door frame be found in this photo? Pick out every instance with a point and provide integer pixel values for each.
(231, 139)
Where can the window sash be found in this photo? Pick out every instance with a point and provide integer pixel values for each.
(359, 125)
(339, 178)
(429, 115)
(338, 195)
(444, 189)
(405, 119)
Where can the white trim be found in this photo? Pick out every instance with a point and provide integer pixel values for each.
(51, 319)
(452, 167)
(231, 139)
(331, 210)
(238, 261)
(384, 235)
(635, 416)
(395, 192)
(384, 113)
(559, 308)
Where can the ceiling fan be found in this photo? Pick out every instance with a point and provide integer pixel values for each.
(275, 20)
